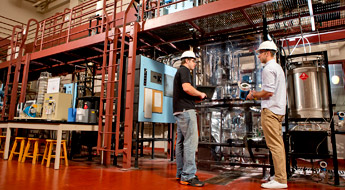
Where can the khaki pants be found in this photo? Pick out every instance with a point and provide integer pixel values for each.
(271, 125)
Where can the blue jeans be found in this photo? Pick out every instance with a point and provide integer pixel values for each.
(186, 144)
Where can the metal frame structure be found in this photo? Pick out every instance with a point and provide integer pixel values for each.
(18, 39)
(63, 41)
(329, 120)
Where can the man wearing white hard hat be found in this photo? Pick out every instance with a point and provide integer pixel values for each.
(273, 104)
(184, 97)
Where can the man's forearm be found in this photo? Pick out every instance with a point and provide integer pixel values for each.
(193, 92)
(189, 89)
(262, 94)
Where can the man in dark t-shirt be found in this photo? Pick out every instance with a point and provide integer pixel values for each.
(184, 98)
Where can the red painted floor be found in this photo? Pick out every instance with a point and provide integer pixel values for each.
(152, 174)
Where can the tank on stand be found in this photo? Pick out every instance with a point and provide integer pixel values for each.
(307, 90)
(310, 111)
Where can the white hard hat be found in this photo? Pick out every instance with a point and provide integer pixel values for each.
(267, 45)
(188, 54)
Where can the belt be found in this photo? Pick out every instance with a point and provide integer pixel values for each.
(187, 110)
(184, 110)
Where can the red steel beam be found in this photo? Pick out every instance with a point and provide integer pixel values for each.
(244, 13)
(96, 49)
(161, 43)
(325, 37)
(149, 45)
(127, 153)
(14, 89)
(4, 64)
(197, 27)
(109, 92)
(72, 45)
(25, 78)
(202, 11)
(122, 50)
(161, 39)
(68, 63)
(81, 57)
(69, 46)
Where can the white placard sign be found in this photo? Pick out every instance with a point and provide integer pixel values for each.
(53, 85)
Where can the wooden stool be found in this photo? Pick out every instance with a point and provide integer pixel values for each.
(34, 155)
(48, 151)
(2, 138)
(21, 150)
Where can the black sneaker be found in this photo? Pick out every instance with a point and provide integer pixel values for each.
(195, 182)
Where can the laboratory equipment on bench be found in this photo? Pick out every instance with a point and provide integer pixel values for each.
(30, 108)
(55, 106)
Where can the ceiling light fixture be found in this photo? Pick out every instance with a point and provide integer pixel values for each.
(335, 79)
(312, 21)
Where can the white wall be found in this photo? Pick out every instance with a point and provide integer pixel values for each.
(22, 11)
(19, 10)
(57, 10)
(335, 50)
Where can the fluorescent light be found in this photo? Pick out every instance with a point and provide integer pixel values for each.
(312, 22)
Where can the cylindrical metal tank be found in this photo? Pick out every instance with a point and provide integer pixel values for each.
(308, 92)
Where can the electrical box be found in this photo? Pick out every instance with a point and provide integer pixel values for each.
(154, 85)
(55, 106)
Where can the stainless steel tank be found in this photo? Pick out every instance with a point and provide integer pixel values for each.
(308, 92)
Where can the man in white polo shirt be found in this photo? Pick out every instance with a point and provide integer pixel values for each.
(273, 104)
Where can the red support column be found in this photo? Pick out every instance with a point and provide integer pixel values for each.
(25, 78)
(130, 96)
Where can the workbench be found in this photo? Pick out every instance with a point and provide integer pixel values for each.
(54, 126)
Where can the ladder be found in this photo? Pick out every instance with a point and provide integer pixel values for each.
(19, 36)
(109, 123)
(13, 71)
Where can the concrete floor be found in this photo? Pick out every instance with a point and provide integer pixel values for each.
(152, 174)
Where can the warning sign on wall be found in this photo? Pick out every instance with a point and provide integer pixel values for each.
(303, 76)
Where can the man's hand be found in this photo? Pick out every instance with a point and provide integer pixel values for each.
(250, 96)
(203, 96)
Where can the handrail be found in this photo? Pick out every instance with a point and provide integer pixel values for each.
(158, 6)
(14, 41)
(71, 24)
(36, 33)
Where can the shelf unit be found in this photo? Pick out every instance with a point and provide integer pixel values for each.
(330, 121)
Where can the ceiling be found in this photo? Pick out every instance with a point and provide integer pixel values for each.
(244, 26)
(44, 6)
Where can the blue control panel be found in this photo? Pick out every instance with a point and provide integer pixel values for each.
(158, 77)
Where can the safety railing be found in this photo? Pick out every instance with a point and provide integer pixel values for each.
(6, 29)
(85, 20)
(156, 8)
(79, 22)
